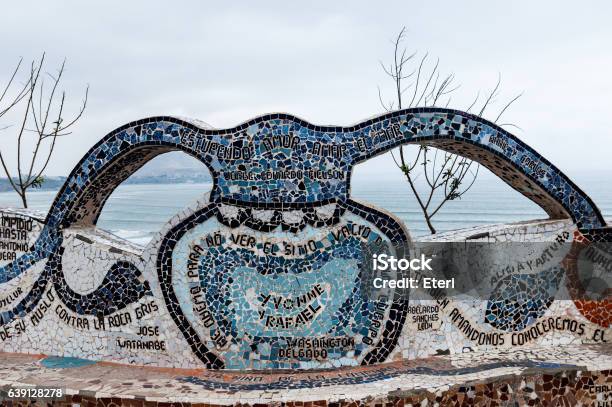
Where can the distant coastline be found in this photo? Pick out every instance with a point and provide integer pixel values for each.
(142, 205)
(56, 182)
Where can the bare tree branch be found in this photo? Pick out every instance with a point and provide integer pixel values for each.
(474, 102)
(42, 119)
(492, 95)
(510, 125)
(507, 106)
(20, 94)
(447, 178)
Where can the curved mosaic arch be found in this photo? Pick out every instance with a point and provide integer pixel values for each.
(278, 172)
(129, 147)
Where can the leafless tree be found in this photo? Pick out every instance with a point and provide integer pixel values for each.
(447, 176)
(41, 122)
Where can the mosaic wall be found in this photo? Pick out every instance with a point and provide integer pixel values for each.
(265, 271)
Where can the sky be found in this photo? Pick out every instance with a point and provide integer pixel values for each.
(226, 62)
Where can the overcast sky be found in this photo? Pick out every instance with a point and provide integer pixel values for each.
(225, 63)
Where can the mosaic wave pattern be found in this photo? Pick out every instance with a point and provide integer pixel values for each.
(265, 272)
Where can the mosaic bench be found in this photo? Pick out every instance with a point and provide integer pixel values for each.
(266, 271)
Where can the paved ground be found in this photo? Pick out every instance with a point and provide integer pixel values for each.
(100, 380)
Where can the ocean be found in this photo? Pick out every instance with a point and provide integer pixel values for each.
(137, 211)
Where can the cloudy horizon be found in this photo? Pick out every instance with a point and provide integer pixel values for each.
(228, 63)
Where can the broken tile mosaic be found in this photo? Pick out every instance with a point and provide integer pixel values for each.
(265, 272)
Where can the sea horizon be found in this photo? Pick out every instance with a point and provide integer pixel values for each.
(136, 212)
